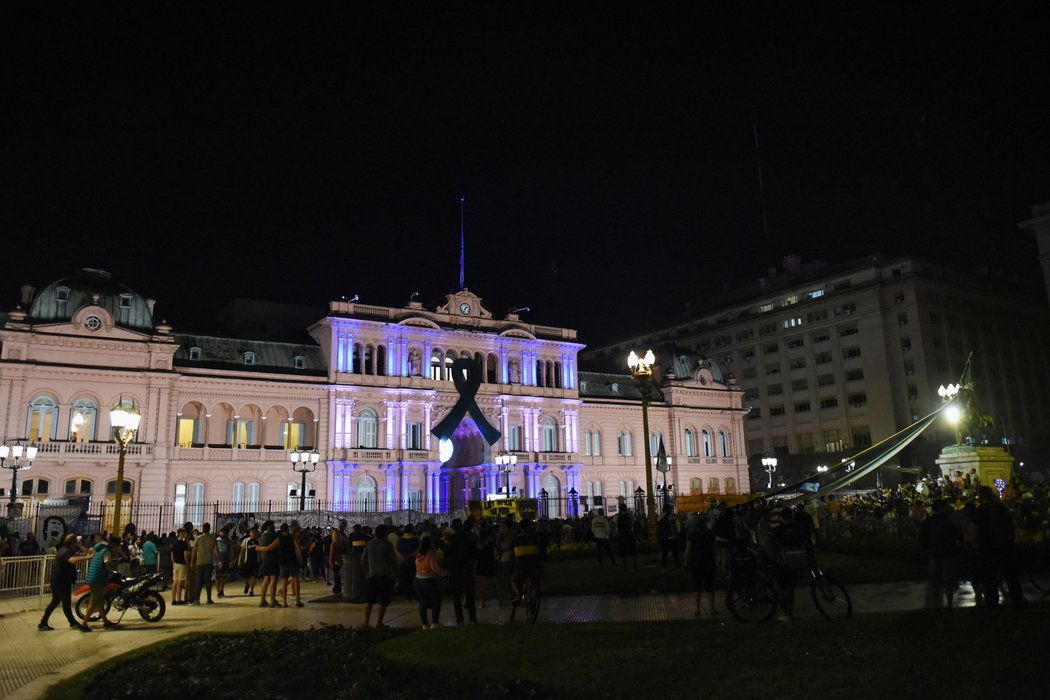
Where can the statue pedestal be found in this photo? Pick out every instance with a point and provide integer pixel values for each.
(990, 462)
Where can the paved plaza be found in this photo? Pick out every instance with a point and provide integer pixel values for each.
(31, 661)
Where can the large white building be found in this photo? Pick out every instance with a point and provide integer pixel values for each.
(220, 415)
(834, 358)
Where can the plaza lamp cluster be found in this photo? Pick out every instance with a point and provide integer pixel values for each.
(642, 373)
(16, 453)
(125, 419)
(505, 462)
(303, 463)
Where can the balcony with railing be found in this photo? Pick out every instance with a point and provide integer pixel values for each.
(231, 453)
(65, 450)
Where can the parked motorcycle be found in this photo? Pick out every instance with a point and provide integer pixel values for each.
(125, 594)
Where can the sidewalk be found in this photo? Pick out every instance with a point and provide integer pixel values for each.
(32, 661)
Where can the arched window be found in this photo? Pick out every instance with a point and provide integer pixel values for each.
(587, 444)
(299, 362)
(552, 504)
(111, 488)
(514, 438)
(381, 360)
(705, 437)
(75, 488)
(237, 500)
(196, 354)
(366, 429)
(696, 485)
(35, 487)
(43, 419)
(366, 495)
(196, 503)
(491, 367)
(712, 485)
(550, 435)
(179, 504)
(654, 443)
(690, 443)
(723, 443)
(82, 420)
(596, 443)
(623, 444)
(730, 483)
(623, 489)
(248, 358)
(254, 493)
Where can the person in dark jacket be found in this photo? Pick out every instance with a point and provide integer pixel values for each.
(63, 575)
(461, 553)
(995, 534)
(700, 563)
(941, 539)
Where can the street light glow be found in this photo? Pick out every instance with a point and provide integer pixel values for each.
(954, 414)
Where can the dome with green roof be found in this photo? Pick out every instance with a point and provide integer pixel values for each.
(60, 300)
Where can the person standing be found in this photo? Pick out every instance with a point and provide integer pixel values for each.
(98, 577)
(426, 582)
(625, 538)
(941, 539)
(222, 561)
(667, 532)
(407, 546)
(358, 540)
(485, 569)
(179, 550)
(287, 562)
(149, 554)
(248, 560)
(379, 558)
(269, 566)
(63, 575)
(203, 552)
(700, 562)
(336, 554)
(995, 534)
(461, 552)
(600, 531)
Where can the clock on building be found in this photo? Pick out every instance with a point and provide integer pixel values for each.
(464, 308)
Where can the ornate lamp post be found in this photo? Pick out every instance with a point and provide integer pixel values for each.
(16, 452)
(506, 461)
(642, 372)
(303, 463)
(124, 417)
(770, 463)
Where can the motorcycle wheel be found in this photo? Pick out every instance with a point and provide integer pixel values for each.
(82, 606)
(152, 607)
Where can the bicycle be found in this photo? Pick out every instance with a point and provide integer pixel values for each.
(753, 593)
(529, 599)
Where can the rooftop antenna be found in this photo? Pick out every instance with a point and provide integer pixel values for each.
(761, 179)
(523, 308)
(462, 245)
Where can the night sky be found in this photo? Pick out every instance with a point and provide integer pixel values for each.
(607, 156)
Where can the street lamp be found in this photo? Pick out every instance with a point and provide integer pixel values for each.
(304, 463)
(16, 452)
(642, 372)
(125, 418)
(506, 461)
(822, 468)
(770, 463)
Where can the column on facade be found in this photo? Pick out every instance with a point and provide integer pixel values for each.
(443, 484)
(391, 408)
(526, 429)
(344, 351)
(403, 423)
(428, 350)
(427, 408)
(526, 481)
(391, 356)
(402, 344)
(504, 366)
(534, 420)
(504, 427)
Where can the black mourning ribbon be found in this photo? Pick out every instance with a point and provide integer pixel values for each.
(466, 375)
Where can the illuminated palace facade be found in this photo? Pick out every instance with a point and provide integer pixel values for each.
(220, 415)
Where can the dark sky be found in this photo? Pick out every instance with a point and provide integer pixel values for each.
(204, 153)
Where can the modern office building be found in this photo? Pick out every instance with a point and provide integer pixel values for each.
(220, 415)
(832, 358)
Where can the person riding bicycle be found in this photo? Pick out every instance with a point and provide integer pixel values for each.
(529, 552)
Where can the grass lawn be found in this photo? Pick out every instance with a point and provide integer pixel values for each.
(968, 653)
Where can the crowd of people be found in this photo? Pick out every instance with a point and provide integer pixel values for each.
(969, 531)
